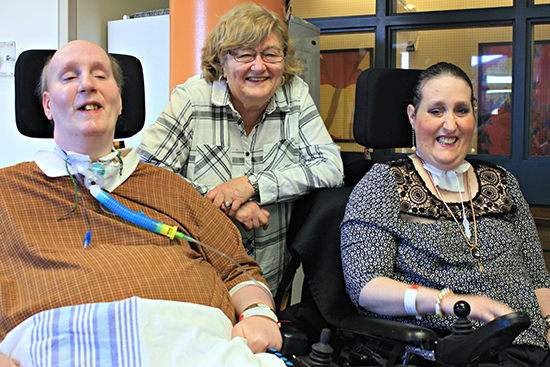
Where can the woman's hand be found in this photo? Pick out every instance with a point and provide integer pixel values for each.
(260, 333)
(482, 308)
(251, 216)
(234, 192)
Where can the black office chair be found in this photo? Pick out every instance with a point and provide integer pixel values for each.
(380, 122)
(29, 114)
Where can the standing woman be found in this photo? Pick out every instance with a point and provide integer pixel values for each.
(424, 231)
(246, 132)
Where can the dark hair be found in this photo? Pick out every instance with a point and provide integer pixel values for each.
(437, 70)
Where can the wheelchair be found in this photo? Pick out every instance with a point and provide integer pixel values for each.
(380, 122)
(325, 327)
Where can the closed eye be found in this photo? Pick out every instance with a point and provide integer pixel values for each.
(435, 112)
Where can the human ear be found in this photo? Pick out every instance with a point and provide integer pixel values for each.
(120, 101)
(411, 113)
(46, 105)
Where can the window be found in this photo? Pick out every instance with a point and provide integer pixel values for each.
(503, 45)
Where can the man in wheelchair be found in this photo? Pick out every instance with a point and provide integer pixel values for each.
(424, 231)
(80, 285)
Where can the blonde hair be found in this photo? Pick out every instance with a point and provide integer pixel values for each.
(245, 26)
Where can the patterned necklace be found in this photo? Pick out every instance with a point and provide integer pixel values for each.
(474, 249)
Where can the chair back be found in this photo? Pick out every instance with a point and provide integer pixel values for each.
(381, 99)
(380, 121)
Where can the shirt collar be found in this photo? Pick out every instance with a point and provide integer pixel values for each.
(52, 164)
(448, 180)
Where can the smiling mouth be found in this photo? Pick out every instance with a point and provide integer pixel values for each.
(257, 79)
(446, 141)
(89, 107)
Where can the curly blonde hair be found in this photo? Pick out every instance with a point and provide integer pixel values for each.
(245, 26)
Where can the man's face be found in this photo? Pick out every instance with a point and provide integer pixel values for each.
(83, 98)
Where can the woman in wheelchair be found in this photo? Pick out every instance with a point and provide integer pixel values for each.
(424, 231)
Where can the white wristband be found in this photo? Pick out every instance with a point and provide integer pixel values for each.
(259, 309)
(410, 301)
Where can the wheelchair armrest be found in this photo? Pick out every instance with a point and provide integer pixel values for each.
(484, 343)
(387, 329)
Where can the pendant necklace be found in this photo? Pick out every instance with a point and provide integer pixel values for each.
(474, 249)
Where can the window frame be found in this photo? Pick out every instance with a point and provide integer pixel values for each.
(522, 16)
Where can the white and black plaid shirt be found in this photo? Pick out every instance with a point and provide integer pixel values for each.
(201, 136)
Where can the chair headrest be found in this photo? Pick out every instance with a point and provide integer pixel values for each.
(381, 99)
(29, 113)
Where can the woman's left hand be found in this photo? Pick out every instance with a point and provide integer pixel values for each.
(260, 333)
(234, 192)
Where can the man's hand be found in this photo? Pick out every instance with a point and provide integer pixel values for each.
(6, 362)
(260, 333)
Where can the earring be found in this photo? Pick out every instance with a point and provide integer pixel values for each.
(223, 80)
(283, 80)
(413, 148)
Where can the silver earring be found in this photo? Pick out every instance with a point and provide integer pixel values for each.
(413, 142)
(223, 80)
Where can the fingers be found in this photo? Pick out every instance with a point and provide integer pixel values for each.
(237, 189)
(482, 308)
(260, 333)
(264, 219)
(252, 216)
(7, 362)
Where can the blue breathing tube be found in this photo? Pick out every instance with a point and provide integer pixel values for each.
(146, 222)
(139, 219)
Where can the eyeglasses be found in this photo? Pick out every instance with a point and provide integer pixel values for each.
(271, 55)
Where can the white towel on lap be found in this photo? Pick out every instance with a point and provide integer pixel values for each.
(134, 332)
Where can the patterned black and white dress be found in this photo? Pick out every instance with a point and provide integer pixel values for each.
(378, 242)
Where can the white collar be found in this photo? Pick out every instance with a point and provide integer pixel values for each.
(53, 163)
(447, 180)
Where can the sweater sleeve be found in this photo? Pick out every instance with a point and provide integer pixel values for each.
(368, 245)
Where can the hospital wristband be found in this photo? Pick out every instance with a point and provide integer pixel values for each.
(259, 309)
(410, 301)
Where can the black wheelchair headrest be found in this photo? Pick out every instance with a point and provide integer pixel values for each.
(29, 114)
(381, 99)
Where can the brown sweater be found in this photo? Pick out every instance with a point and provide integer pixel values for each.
(43, 264)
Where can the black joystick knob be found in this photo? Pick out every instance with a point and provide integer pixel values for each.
(463, 325)
(462, 309)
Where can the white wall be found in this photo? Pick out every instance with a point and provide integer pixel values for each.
(44, 24)
(148, 39)
(31, 24)
(93, 15)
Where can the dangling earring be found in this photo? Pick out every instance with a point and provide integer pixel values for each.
(413, 142)
(222, 80)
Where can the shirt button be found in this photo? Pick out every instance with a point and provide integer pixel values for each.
(247, 154)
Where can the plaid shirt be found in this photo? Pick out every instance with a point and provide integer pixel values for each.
(201, 136)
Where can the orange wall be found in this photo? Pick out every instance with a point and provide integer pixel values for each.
(190, 23)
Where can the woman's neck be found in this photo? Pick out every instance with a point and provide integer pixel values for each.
(448, 196)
